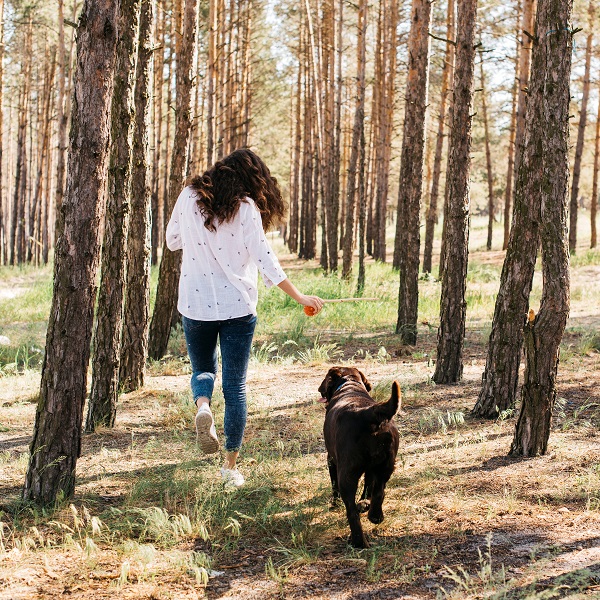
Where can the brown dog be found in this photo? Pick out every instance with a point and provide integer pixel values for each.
(360, 439)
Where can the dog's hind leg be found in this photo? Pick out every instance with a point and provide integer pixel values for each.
(348, 485)
(334, 482)
(365, 499)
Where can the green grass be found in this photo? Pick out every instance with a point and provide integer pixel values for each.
(24, 310)
(284, 332)
(586, 258)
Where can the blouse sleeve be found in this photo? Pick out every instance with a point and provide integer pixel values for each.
(259, 248)
(173, 233)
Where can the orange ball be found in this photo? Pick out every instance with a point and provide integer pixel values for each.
(310, 311)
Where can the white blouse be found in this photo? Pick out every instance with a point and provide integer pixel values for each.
(219, 274)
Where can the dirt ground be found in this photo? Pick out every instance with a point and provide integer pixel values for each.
(453, 491)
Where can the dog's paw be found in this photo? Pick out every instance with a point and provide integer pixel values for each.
(359, 542)
(363, 506)
(375, 517)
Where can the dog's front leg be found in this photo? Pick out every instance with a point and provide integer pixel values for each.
(334, 481)
(348, 486)
(377, 495)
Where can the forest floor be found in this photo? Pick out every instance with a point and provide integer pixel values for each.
(151, 519)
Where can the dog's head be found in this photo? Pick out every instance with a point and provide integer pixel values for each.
(336, 377)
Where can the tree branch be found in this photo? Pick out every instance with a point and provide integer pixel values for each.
(441, 39)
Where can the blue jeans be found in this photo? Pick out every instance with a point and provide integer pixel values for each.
(235, 339)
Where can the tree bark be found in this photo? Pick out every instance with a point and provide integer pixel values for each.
(447, 75)
(527, 27)
(17, 230)
(508, 193)
(501, 375)
(37, 199)
(383, 104)
(408, 237)
(106, 352)
(294, 221)
(62, 116)
(166, 296)
(581, 131)
(358, 140)
(594, 199)
(159, 77)
(56, 442)
(3, 257)
(211, 77)
(544, 332)
(488, 157)
(453, 305)
(329, 156)
(136, 319)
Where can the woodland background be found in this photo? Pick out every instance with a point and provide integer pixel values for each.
(261, 82)
(148, 516)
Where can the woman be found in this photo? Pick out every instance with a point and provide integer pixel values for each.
(219, 222)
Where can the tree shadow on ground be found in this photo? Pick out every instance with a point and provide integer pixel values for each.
(560, 586)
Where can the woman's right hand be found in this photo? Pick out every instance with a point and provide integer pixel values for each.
(314, 302)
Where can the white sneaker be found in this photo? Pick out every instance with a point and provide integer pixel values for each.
(206, 433)
(232, 477)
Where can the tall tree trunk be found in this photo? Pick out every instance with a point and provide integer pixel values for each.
(358, 137)
(195, 160)
(362, 214)
(136, 319)
(508, 193)
(211, 76)
(544, 332)
(372, 232)
(408, 237)
(166, 296)
(46, 210)
(338, 153)
(501, 375)
(159, 83)
(3, 257)
(594, 199)
(62, 116)
(581, 131)
(106, 352)
(44, 150)
(294, 221)
(383, 103)
(453, 304)
(317, 144)
(447, 75)
(56, 442)
(488, 156)
(330, 153)
(527, 27)
(17, 233)
(163, 196)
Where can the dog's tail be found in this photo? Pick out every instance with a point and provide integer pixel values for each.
(384, 411)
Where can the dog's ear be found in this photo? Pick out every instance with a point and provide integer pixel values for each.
(366, 382)
(330, 383)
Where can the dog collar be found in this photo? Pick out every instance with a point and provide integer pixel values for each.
(340, 386)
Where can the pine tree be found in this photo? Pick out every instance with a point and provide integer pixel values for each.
(451, 332)
(550, 95)
(56, 442)
(407, 241)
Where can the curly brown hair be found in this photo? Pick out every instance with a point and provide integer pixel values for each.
(241, 174)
